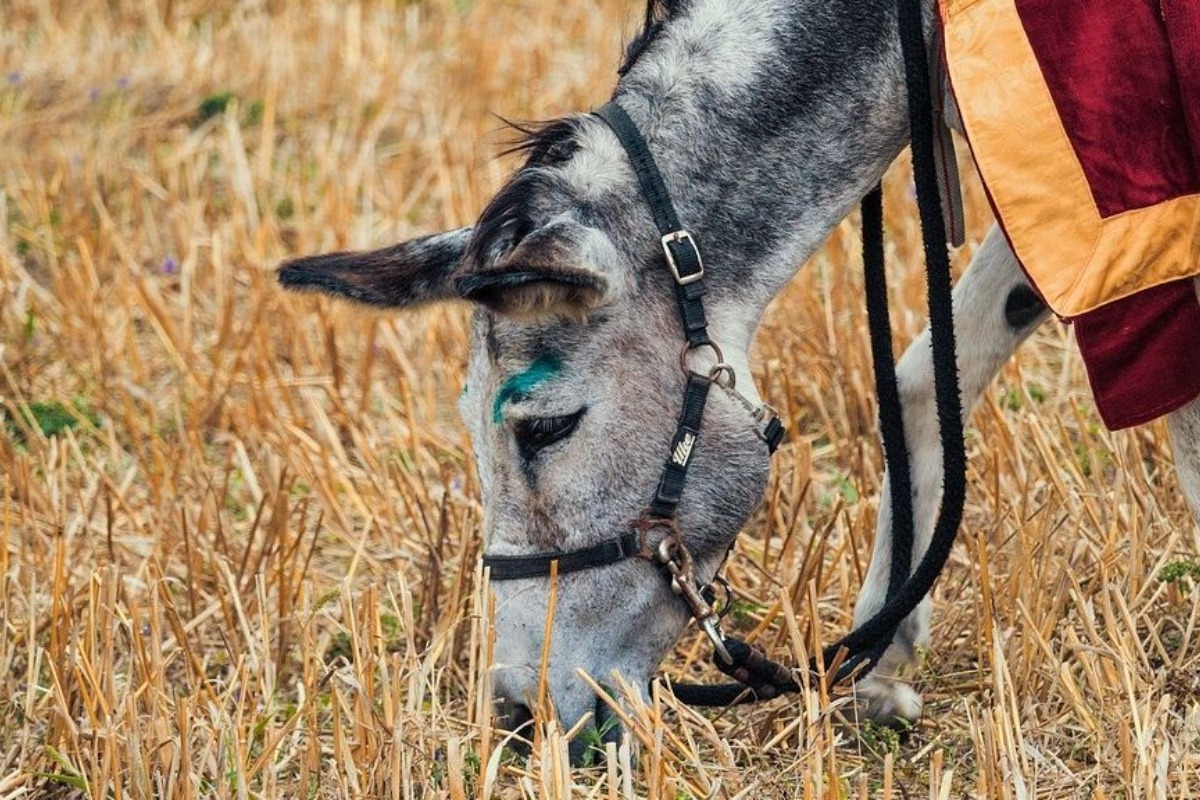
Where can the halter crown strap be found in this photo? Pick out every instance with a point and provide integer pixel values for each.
(679, 246)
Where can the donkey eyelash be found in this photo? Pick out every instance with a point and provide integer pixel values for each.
(537, 433)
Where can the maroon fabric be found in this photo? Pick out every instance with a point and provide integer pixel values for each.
(1182, 19)
(1112, 71)
(1125, 79)
(1143, 353)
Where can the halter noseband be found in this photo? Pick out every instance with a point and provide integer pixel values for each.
(681, 255)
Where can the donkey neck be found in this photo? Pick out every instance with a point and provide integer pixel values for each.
(770, 120)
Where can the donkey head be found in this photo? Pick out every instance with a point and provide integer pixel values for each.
(768, 121)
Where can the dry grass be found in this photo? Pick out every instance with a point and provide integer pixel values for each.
(245, 565)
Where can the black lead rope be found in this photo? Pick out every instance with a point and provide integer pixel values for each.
(891, 414)
(887, 392)
(908, 596)
(759, 677)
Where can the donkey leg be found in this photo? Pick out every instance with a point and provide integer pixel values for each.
(1184, 426)
(994, 311)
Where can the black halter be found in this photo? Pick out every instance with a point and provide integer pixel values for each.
(757, 676)
(681, 256)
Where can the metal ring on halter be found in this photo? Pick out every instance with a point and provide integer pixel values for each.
(687, 348)
(645, 525)
(720, 368)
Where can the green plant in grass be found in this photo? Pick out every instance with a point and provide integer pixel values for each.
(1182, 572)
(51, 418)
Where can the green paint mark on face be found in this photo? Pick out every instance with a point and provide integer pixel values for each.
(523, 383)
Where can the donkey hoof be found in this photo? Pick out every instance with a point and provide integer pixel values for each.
(887, 701)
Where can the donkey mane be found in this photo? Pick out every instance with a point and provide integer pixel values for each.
(657, 12)
(507, 217)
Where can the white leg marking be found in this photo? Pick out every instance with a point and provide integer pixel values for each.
(1184, 426)
(985, 342)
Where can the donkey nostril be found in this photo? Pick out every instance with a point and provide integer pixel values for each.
(608, 724)
(513, 717)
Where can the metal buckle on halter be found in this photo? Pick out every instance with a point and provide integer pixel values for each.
(678, 237)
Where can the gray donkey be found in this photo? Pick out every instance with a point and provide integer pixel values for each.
(769, 122)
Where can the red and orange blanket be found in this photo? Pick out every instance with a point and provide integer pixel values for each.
(1084, 119)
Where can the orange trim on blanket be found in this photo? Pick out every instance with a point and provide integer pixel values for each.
(1078, 260)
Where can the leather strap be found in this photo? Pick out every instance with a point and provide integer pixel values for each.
(945, 161)
(687, 431)
(610, 551)
(680, 250)
(654, 189)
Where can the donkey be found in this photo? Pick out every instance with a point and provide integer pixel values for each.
(769, 121)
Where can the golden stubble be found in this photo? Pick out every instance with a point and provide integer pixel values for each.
(246, 565)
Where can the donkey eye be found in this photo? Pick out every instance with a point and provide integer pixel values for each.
(539, 433)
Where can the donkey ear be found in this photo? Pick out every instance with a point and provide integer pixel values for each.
(408, 274)
(564, 269)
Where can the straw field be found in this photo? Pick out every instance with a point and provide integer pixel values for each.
(239, 530)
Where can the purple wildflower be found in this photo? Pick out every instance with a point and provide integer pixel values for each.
(14, 77)
(123, 83)
(170, 266)
(93, 94)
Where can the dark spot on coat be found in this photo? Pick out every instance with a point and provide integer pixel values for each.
(1023, 307)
